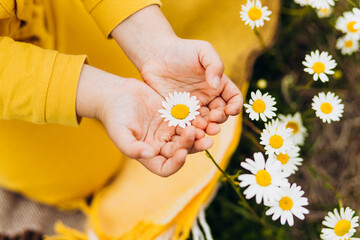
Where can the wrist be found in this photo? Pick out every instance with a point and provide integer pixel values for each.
(94, 87)
(144, 34)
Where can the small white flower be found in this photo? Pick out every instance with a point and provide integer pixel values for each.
(290, 204)
(349, 23)
(339, 226)
(264, 180)
(254, 14)
(324, 12)
(276, 138)
(319, 64)
(261, 106)
(295, 124)
(347, 44)
(302, 2)
(328, 107)
(319, 4)
(180, 109)
(290, 160)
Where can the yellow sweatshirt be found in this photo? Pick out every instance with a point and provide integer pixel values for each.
(53, 163)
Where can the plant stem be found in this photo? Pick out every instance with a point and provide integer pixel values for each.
(352, 3)
(307, 86)
(235, 188)
(252, 126)
(260, 38)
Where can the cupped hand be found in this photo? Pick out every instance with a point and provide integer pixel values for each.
(193, 66)
(128, 109)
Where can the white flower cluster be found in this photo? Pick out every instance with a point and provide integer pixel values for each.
(268, 182)
(349, 24)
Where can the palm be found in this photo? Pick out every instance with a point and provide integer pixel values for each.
(133, 123)
(190, 65)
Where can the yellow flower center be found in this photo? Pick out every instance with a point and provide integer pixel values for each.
(286, 203)
(318, 67)
(349, 44)
(326, 108)
(342, 227)
(276, 141)
(283, 158)
(324, 10)
(180, 111)
(293, 126)
(259, 106)
(350, 27)
(263, 178)
(254, 13)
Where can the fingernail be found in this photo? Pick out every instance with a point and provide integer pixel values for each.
(216, 82)
(146, 154)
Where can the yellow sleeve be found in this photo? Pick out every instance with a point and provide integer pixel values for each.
(110, 13)
(38, 85)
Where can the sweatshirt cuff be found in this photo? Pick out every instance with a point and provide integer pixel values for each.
(110, 13)
(60, 105)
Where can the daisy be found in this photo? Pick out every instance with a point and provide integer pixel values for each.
(339, 226)
(253, 14)
(180, 109)
(324, 12)
(302, 2)
(328, 107)
(290, 160)
(290, 204)
(349, 23)
(295, 124)
(276, 138)
(347, 44)
(319, 64)
(319, 4)
(261, 106)
(265, 179)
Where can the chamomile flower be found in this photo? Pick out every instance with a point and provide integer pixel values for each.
(289, 160)
(302, 2)
(328, 107)
(347, 44)
(290, 204)
(261, 106)
(319, 4)
(295, 124)
(339, 226)
(276, 138)
(319, 64)
(179, 109)
(254, 14)
(265, 179)
(349, 24)
(324, 12)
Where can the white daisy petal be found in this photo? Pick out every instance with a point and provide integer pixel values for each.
(179, 109)
(253, 14)
(319, 65)
(328, 107)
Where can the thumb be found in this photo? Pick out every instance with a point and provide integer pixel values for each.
(211, 61)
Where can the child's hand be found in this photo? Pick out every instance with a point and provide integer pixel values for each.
(128, 108)
(168, 63)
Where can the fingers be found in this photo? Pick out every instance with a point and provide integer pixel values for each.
(202, 145)
(211, 61)
(163, 166)
(184, 141)
(217, 110)
(233, 97)
(130, 146)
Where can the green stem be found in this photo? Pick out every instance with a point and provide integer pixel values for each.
(352, 3)
(235, 188)
(307, 86)
(260, 38)
(252, 126)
